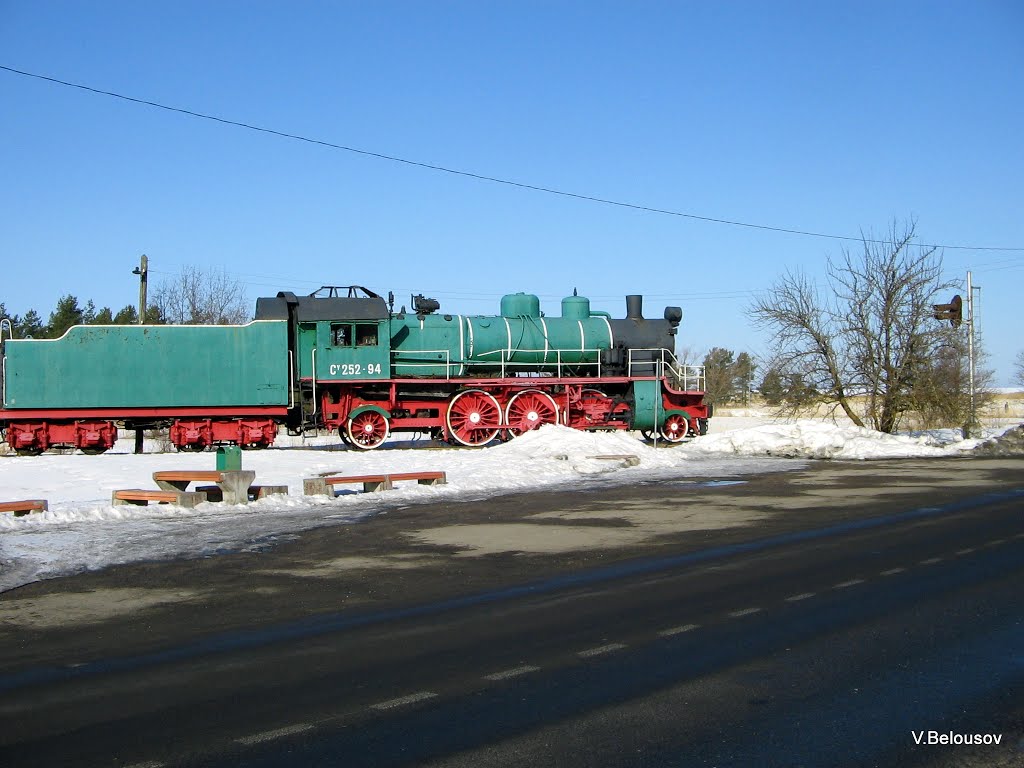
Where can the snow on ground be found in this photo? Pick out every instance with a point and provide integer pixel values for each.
(82, 531)
(811, 439)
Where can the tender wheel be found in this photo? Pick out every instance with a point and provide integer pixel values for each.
(473, 417)
(93, 451)
(675, 428)
(528, 410)
(367, 430)
(33, 451)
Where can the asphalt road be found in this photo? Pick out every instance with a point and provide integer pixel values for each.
(833, 615)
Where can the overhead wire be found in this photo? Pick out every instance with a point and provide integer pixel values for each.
(484, 177)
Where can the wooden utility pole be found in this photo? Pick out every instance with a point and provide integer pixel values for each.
(143, 272)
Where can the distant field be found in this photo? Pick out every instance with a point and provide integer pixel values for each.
(1004, 409)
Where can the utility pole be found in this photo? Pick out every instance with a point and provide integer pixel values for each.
(972, 417)
(143, 272)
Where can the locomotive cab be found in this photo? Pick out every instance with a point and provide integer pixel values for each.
(334, 337)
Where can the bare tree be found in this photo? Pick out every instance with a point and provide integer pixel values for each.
(198, 297)
(869, 333)
(941, 394)
(1018, 364)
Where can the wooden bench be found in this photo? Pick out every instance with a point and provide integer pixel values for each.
(423, 478)
(233, 483)
(140, 496)
(19, 508)
(324, 484)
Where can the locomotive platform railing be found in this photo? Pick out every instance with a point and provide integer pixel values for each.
(658, 363)
(661, 363)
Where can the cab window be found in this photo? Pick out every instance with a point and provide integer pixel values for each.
(341, 334)
(353, 334)
(366, 335)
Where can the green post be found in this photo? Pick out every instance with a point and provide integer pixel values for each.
(229, 458)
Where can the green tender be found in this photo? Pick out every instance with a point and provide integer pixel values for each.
(140, 366)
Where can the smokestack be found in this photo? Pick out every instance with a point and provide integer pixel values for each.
(634, 307)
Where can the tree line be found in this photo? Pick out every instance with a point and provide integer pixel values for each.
(69, 312)
(192, 297)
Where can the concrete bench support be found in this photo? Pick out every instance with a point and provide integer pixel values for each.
(233, 483)
(214, 493)
(142, 497)
(324, 484)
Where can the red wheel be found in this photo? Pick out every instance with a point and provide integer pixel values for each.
(473, 418)
(367, 430)
(675, 428)
(528, 410)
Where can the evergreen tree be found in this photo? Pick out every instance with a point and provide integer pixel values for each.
(718, 378)
(772, 387)
(728, 376)
(743, 376)
(104, 317)
(154, 316)
(89, 313)
(67, 314)
(31, 326)
(127, 316)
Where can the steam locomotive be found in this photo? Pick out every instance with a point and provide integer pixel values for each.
(341, 359)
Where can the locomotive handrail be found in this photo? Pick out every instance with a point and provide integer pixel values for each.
(4, 323)
(688, 377)
(504, 359)
(447, 359)
(313, 372)
(558, 358)
(291, 378)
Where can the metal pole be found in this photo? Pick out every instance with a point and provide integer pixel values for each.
(972, 419)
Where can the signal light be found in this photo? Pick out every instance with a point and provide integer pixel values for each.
(954, 311)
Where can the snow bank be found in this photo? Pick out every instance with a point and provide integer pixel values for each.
(82, 531)
(817, 440)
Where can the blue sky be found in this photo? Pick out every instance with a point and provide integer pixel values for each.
(830, 117)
